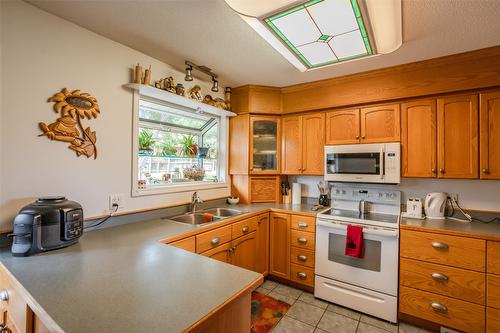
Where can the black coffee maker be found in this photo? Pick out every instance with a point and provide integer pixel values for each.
(48, 223)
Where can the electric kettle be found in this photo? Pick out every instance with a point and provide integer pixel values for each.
(435, 205)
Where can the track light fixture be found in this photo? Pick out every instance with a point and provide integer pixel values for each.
(203, 69)
(189, 76)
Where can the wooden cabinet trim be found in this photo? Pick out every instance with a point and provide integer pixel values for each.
(489, 135)
(188, 244)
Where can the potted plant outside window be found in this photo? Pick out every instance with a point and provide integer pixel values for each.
(146, 142)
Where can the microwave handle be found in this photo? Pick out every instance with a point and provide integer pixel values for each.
(366, 230)
(382, 162)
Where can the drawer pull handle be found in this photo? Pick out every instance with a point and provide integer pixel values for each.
(438, 307)
(215, 241)
(439, 245)
(302, 257)
(302, 240)
(245, 229)
(302, 225)
(302, 275)
(439, 277)
(4, 295)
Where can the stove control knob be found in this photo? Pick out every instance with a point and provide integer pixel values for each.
(393, 195)
(343, 191)
(380, 195)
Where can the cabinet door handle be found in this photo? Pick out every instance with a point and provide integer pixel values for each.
(433, 170)
(486, 171)
(439, 245)
(302, 225)
(215, 241)
(231, 249)
(357, 137)
(438, 307)
(302, 257)
(302, 275)
(4, 295)
(302, 240)
(299, 169)
(439, 277)
(245, 229)
(441, 170)
(362, 137)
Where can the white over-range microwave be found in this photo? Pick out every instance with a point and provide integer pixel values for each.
(364, 163)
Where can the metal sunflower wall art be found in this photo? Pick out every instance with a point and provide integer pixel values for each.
(73, 106)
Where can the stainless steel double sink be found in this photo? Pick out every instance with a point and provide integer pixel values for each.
(200, 217)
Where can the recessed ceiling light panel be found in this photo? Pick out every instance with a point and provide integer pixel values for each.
(316, 33)
(323, 32)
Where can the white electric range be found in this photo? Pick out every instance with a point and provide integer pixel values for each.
(368, 284)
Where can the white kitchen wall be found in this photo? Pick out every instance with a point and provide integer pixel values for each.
(472, 194)
(41, 55)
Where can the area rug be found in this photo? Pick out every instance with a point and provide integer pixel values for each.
(266, 312)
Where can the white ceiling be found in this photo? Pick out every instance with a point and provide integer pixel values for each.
(208, 32)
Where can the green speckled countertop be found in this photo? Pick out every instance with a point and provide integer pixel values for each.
(122, 279)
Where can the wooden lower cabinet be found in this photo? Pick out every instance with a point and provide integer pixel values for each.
(493, 295)
(279, 262)
(492, 320)
(493, 259)
(301, 274)
(447, 311)
(188, 244)
(263, 244)
(221, 253)
(244, 251)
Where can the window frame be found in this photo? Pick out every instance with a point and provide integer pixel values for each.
(176, 101)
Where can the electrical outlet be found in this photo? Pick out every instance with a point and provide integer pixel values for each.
(115, 199)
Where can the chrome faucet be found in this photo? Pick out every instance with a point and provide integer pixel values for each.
(195, 200)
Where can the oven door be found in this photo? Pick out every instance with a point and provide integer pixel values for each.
(377, 270)
(355, 163)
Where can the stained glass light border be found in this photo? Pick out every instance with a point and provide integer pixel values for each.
(359, 20)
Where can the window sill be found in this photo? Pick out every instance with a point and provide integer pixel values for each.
(177, 188)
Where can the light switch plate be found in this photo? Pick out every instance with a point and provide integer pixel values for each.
(115, 199)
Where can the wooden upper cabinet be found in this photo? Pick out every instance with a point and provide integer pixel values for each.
(342, 127)
(380, 123)
(418, 138)
(490, 135)
(313, 141)
(458, 155)
(265, 141)
(291, 145)
(256, 100)
(279, 255)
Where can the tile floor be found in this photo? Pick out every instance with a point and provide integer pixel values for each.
(312, 315)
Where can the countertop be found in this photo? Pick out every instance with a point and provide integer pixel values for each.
(122, 279)
(474, 229)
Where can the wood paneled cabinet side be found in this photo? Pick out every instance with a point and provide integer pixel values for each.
(489, 135)
(279, 252)
(418, 138)
(458, 137)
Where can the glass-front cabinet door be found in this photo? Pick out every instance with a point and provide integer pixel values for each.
(264, 145)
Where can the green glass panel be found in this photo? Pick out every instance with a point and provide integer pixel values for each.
(310, 3)
(323, 37)
(287, 12)
(355, 7)
(362, 28)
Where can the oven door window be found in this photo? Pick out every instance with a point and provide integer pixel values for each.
(370, 261)
(353, 163)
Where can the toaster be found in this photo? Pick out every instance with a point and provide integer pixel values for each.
(48, 223)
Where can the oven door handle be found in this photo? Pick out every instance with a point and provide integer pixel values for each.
(382, 160)
(366, 230)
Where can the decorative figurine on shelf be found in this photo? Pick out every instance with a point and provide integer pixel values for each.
(73, 107)
(208, 100)
(168, 84)
(220, 103)
(141, 184)
(147, 76)
(159, 84)
(180, 90)
(138, 74)
(195, 93)
(227, 98)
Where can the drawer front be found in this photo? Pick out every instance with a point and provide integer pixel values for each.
(301, 274)
(492, 320)
(211, 239)
(302, 257)
(245, 227)
(454, 313)
(493, 297)
(493, 257)
(303, 223)
(444, 280)
(454, 251)
(303, 239)
(188, 244)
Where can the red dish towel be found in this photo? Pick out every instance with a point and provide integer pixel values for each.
(354, 244)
